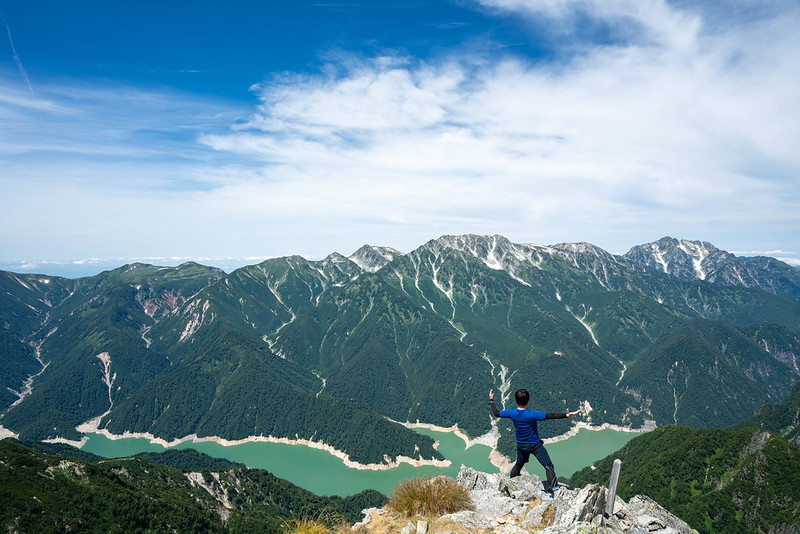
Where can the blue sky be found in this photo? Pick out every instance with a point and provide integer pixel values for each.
(230, 132)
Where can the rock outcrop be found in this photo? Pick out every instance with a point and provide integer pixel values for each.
(504, 505)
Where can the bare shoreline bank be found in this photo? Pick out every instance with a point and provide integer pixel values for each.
(194, 438)
(489, 439)
(503, 462)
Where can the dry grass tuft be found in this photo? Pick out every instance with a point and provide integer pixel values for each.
(429, 497)
(305, 526)
(324, 522)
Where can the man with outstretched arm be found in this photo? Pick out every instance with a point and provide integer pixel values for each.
(527, 433)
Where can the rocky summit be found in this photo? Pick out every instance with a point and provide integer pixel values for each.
(520, 506)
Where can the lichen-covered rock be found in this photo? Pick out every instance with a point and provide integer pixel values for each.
(583, 506)
(469, 519)
(492, 503)
(535, 516)
(510, 528)
(657, 519)
(579, 528)
(475, 480)
(523, 488)
(368, 513)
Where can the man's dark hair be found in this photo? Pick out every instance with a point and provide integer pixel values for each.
(522, 396)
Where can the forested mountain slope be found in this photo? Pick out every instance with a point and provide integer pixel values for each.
(44, 493)
(782, 418)
(338, 349)
(717, 480)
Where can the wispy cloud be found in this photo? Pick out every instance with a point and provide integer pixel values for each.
(119, 132)
(17, 60)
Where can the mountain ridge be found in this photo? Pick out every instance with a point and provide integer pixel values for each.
(376, 340)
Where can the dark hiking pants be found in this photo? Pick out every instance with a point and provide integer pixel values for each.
(524, 451)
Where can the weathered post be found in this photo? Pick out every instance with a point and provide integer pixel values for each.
(612, 487)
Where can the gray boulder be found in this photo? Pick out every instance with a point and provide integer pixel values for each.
(655, 518)
(491, 503)
(582, 506)
(523, 488)
(469, 519)
(535, 515)
(579, 528)
(475, 480)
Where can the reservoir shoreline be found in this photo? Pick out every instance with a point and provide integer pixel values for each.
(318, 470)
(194, 438)
(489, 439)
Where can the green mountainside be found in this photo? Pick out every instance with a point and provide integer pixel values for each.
(48, 493)
(707, 374)
(340, 349)
(782, 418)
(716, 480)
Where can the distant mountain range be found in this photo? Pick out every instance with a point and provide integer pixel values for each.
(338, 350)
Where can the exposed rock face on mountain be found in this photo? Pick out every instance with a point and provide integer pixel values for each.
(519, 506)
(699, 260)
(372, 259)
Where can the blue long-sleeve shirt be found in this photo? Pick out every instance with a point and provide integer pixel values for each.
(524, 420)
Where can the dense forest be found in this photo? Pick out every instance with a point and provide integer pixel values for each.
(782, 418)
(178, 491)
(717, 480)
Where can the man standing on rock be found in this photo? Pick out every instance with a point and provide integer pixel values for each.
(527, 433)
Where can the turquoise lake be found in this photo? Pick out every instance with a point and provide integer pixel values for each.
(324, 474)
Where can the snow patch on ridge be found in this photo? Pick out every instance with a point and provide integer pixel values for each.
(371, 259)
(698, 253)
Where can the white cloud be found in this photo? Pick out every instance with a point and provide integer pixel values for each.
(645, 21)
(685, 125)
(680, 133)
